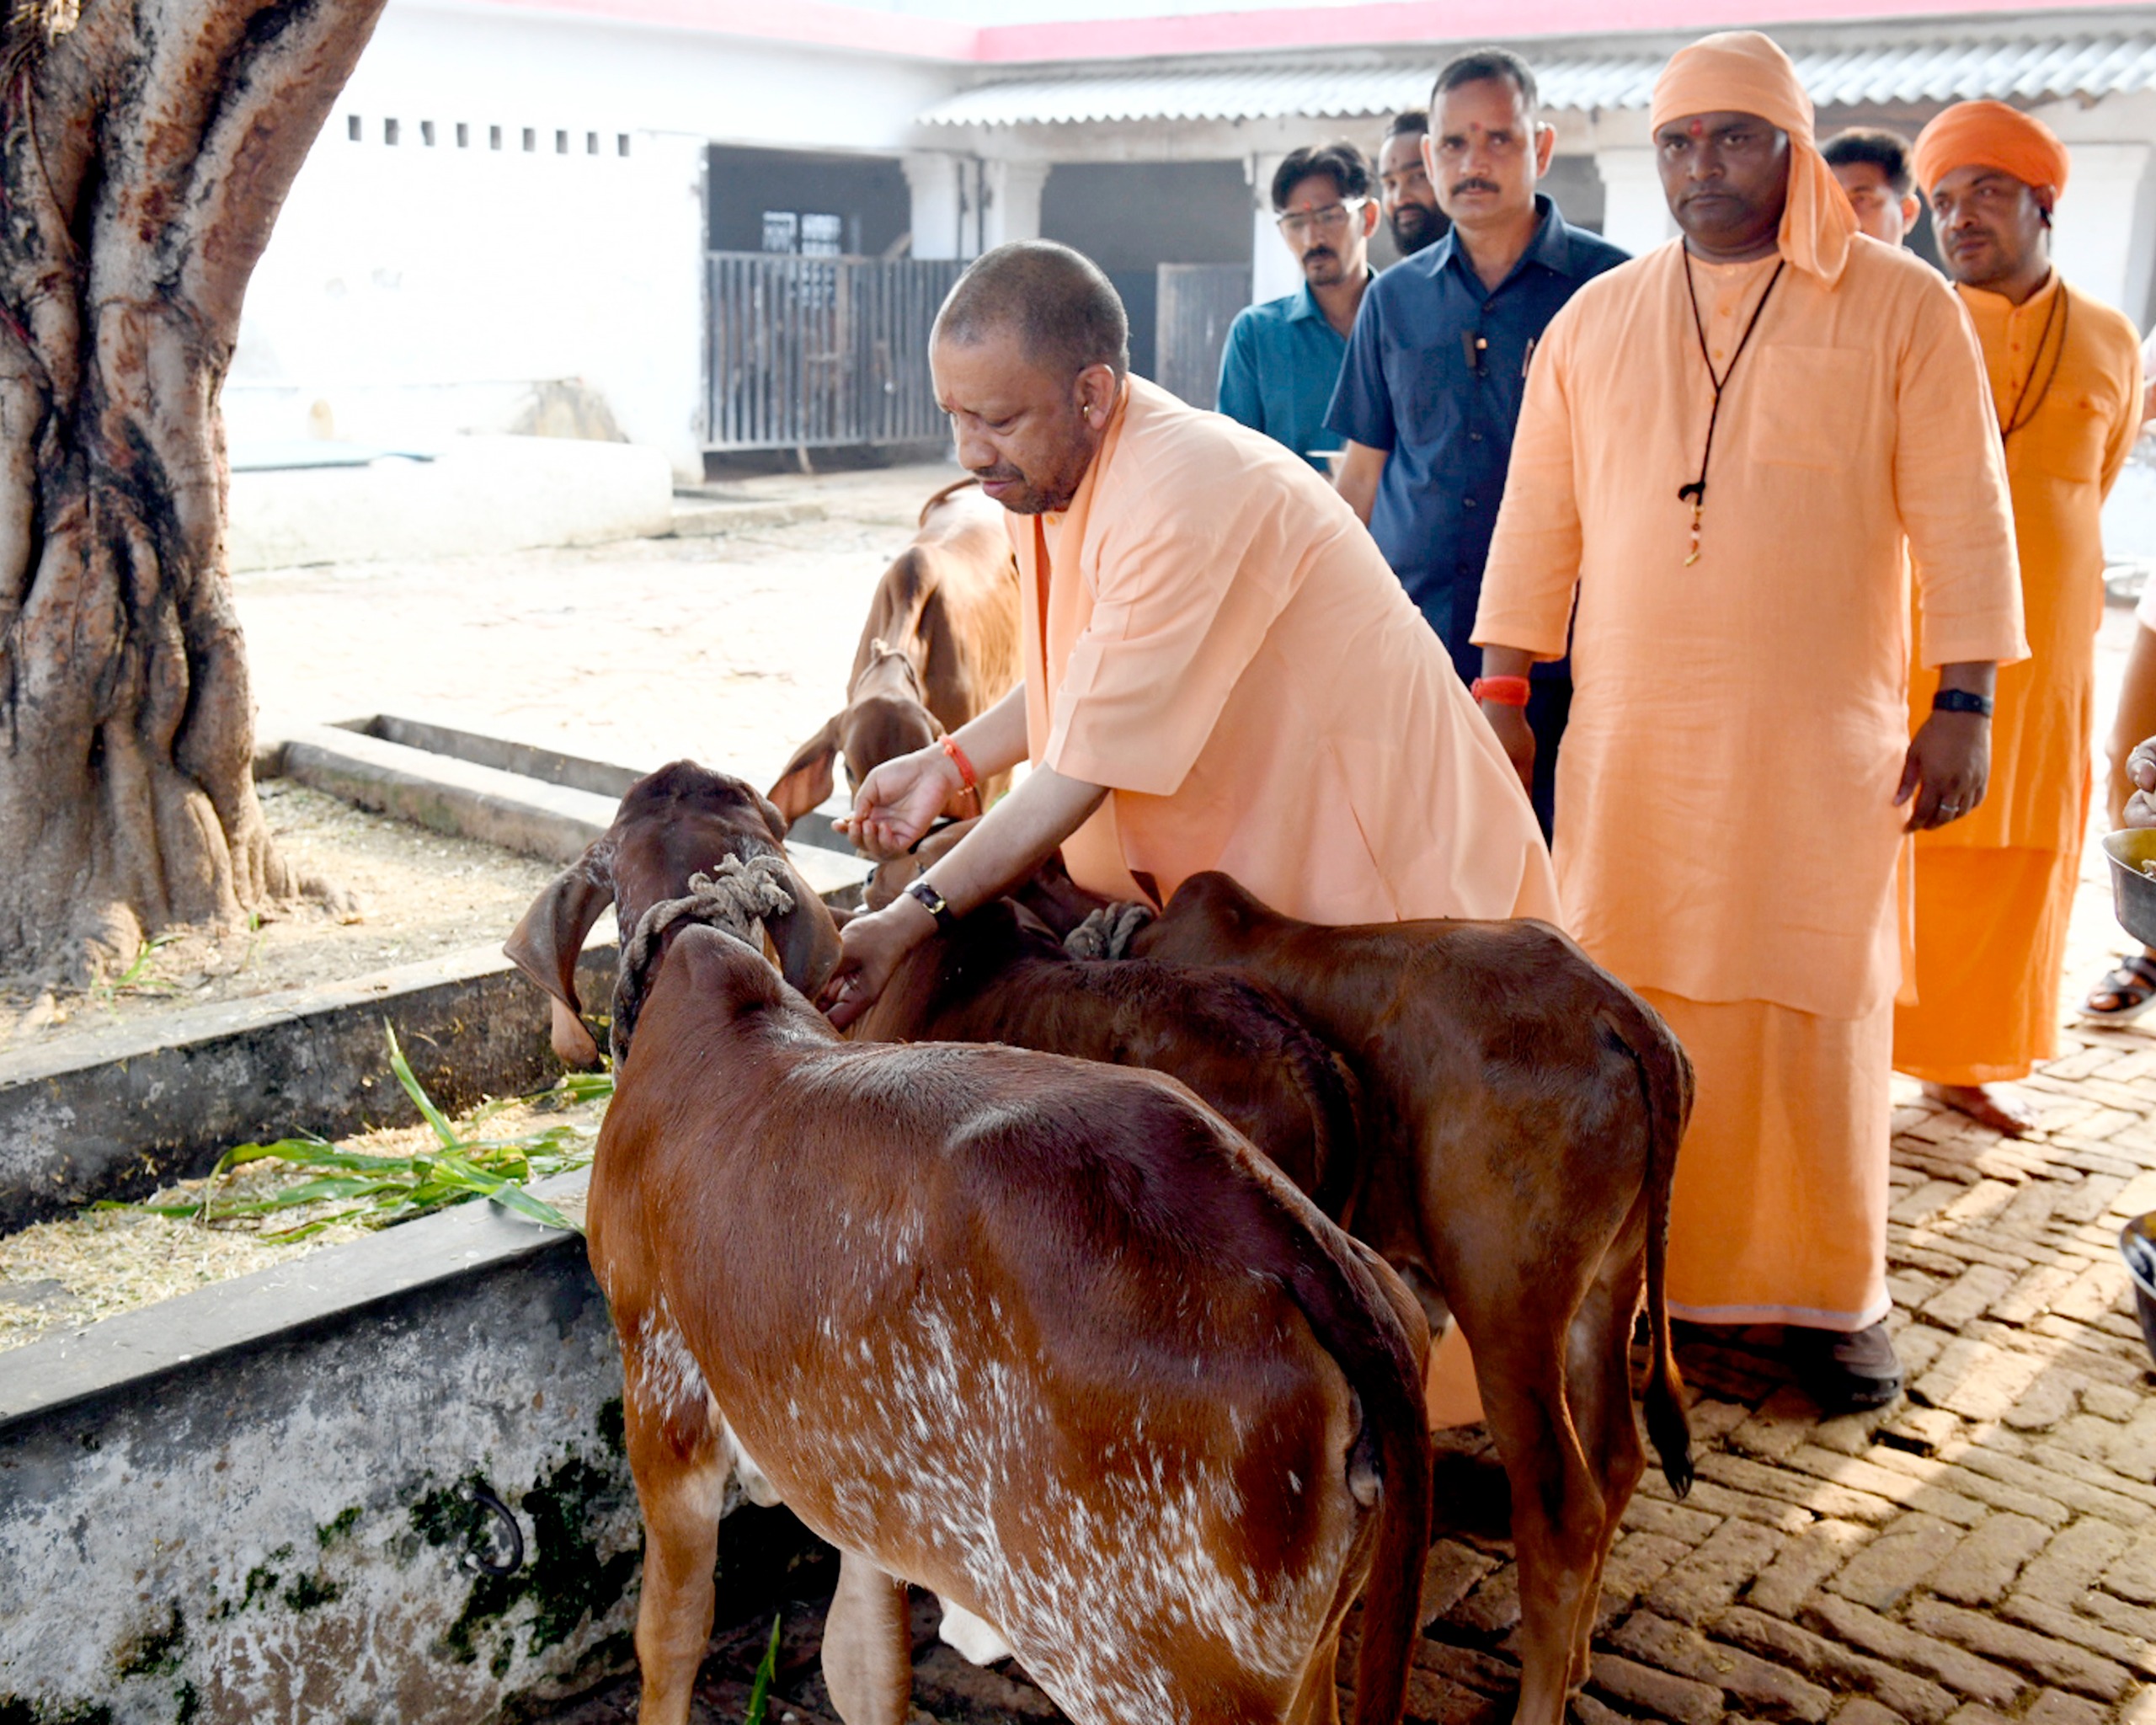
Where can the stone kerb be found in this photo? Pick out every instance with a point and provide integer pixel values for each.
(268, 1498)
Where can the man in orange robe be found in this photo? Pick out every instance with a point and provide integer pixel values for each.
(1994, 892)
(1725, 445)
(1221, 670)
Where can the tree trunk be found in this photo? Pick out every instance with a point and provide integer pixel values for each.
(146, 146)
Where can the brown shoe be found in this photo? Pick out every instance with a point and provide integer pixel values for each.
(1844, 1372)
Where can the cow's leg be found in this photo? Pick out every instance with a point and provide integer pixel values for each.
(1557, 1505)
(867, 1651)
(1598, 1389)
(680, 1470)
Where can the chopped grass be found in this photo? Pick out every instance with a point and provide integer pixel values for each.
(378, 1190)
(266, 1205)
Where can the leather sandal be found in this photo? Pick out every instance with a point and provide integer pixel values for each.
(2131, 985)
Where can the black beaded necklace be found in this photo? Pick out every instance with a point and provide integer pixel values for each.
(2016, 418)
(1696, 494)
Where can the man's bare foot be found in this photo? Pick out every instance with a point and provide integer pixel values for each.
(1998, 1106)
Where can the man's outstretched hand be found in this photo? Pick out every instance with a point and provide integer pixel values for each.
(898, 801)
(870, 948)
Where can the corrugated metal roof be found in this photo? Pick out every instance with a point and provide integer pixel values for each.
(2027, 69)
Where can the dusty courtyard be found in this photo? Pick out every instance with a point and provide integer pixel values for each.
(729, 648)
(1985, 1551)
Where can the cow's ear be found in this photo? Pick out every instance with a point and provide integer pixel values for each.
(546, 942)
(806, 780)
(805, 938)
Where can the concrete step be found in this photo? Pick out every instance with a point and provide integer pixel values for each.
(445, 792)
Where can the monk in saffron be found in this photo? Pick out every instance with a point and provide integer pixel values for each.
(1724, 446)
(1995, 891)
(1221, 671)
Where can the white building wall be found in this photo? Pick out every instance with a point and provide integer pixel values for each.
(415, 290)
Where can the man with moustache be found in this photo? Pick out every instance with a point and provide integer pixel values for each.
(1732, 452)
(1994, 892)
(1432, 386)
(1405, 194)
(1872, 168)
(1283, 358)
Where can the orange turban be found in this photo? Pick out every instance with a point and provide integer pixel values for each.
(1742, 71)
(1990, 134)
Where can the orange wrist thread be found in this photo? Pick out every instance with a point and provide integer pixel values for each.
(966, 775)
(1501, 691)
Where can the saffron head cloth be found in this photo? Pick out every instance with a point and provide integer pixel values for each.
(1742, 71)
(1990, 134)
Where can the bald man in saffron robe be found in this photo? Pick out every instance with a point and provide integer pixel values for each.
(1738, 783)
(1994, 892)
(1221, 670)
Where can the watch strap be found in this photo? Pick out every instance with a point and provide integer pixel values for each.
(925, 895)
(1962, 701)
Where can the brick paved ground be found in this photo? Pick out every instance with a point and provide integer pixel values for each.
(1984, 1552)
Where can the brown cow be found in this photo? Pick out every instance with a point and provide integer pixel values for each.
(1045, 1336)
(1000, 976)
(1521, 1111)
(1525, 1109)
(949, 604)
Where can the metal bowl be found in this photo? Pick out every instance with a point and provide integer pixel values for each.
(2138, 1245)
(2134, 893)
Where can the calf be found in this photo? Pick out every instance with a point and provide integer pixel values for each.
(948, 606)
(1045, 1336)
(1000, 976)
(1524, 1110)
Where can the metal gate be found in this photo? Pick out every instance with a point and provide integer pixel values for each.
(816, 353)
(1198, 303)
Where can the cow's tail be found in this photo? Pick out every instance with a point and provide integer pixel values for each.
(1367, 1335)
(1665, 1075)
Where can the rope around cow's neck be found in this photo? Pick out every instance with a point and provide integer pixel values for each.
(1108, 932)
(734, 898)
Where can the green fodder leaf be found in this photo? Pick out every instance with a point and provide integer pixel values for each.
(760, 1690)
(284, 1236)
(305, 1192)
(420, 1100)
(512, 1196)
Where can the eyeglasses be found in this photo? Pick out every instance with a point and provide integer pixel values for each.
(1329, 218)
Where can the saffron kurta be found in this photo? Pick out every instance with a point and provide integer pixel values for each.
(1994, 890)
(1726, 834)
(1209, 632)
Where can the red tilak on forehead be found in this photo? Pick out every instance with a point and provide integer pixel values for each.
(1696, 128)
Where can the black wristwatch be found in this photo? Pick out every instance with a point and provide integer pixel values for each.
(1962, 701)
(932, 901)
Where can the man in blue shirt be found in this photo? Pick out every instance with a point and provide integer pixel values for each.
(1283, 358)
(1431, 389)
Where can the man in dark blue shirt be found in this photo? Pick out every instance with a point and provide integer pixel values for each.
(1431, 389)
(1283, 358)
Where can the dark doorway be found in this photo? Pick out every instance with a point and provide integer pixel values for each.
(1131, 217)
(788, 201)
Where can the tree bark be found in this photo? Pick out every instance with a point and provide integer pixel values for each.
(146, 146)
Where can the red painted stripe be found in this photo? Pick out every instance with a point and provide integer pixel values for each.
(1408, 21)
(809, 23)
(821, 24)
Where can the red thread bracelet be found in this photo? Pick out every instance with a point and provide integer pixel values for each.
(1505, 691)
(966, 776)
